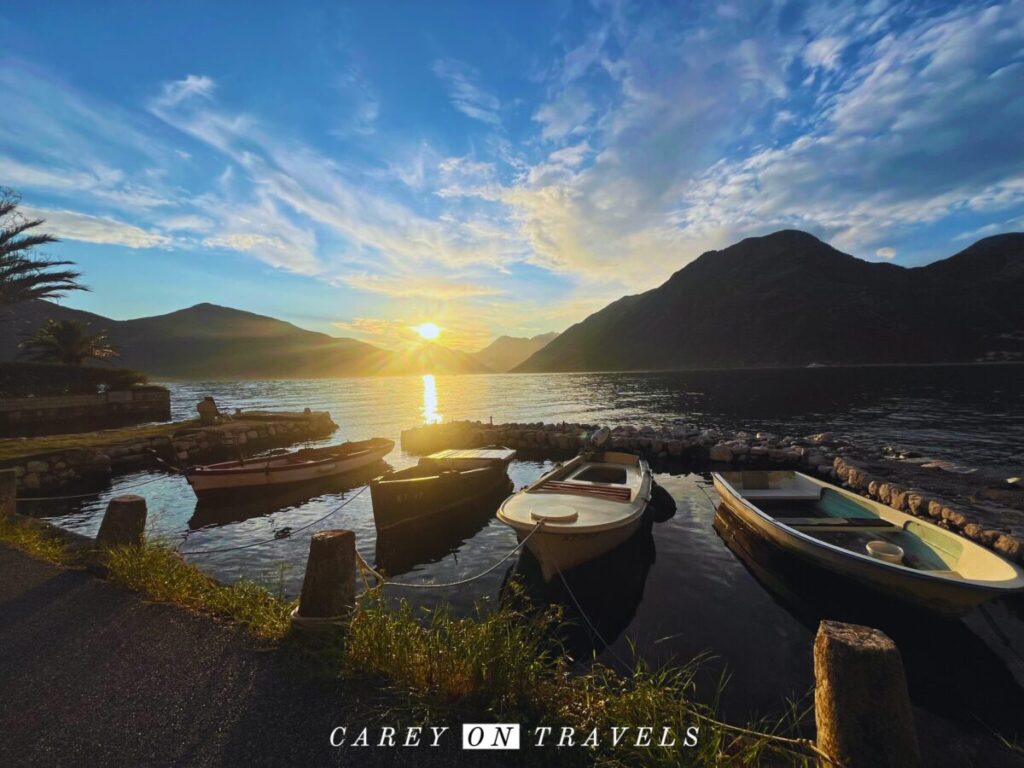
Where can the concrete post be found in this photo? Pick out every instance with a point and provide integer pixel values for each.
(861, 703)
(124, 522)
(8, 492)
(329, 586)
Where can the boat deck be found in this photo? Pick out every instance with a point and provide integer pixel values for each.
(838, 521)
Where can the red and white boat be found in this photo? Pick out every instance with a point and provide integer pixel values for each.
(306, 465)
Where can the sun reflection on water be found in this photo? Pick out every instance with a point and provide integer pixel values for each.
(430, 414)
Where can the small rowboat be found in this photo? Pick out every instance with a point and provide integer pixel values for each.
(304, 466)
(588, 506)
(867, 542)
(440, 482)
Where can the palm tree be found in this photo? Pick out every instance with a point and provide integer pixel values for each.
(23, 276)
(68, 342)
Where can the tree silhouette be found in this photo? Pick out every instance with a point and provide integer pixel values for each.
(23, 275)
(68, 342)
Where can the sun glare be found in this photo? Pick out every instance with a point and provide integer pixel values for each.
(428, 331)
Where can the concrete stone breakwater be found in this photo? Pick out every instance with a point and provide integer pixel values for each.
(683, 441)
(54, 471)
(969, 512)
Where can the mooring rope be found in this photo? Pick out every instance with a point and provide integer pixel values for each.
(290, 535)
(383, 582)
(589, 623)
(90, 493)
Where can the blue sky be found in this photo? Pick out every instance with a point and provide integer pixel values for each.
(359, 168)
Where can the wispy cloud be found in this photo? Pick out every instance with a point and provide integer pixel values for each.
(467, 95)
(69, 225)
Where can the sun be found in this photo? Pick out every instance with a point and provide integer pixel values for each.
(428, 331)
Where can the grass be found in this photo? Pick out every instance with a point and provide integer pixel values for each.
(161, 574)
(26, 447)
(501, 664)
(36, 539)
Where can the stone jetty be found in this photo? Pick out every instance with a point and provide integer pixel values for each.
(42, 470)
(984, 509)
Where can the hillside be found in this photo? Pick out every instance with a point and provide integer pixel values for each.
(506, 352)
(789, 299)
(210, 341)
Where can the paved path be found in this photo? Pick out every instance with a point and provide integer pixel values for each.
(91, 675)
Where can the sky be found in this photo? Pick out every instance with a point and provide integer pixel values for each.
(495, 168)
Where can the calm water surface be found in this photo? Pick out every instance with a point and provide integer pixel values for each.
(677, 590)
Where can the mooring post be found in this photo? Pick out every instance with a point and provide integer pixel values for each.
(861, 703)
(8, 492)
(329, 586)
(124, 522)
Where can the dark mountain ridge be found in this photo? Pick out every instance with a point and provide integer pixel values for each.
(789, 299)
(211, 341)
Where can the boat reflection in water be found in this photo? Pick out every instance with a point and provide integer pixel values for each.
(939, 654)
(245, 504)
(431, 538)
(609, 589)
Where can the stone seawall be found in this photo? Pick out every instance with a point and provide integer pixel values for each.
(27, 416)
(985, 510)
(57, 471)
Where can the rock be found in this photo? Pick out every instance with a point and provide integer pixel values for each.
(935, 509)
(873, 487)
(30, 481)
(252, 434)
(884, 492)
(675, 448)
(759, 450)
(917, 504)
(182, 455)
(954, 517)
(720, 452)
(1010, 546)
(825, 469)
(19, 472)
(37, 467)
(898, 497)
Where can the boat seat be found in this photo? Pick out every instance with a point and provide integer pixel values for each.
(835, 522)
(780, 494)
(609, 492)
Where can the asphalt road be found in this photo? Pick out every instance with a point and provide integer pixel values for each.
(91, 675)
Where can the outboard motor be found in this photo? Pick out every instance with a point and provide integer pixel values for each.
(598, 440)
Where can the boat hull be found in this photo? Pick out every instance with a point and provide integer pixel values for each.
(558, 552)
(403, 501)
(276, 473)
(943, 596)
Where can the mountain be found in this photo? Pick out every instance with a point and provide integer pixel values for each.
(789, 299)
(210, 341)
(506, 352)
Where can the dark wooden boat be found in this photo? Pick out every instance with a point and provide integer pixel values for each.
(438, 483)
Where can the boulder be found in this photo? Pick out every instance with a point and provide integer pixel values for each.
(37, 467)
(720, 452)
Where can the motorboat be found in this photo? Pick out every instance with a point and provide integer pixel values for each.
(580, 509)
(292, 468)
(438, 483)
(862, 540)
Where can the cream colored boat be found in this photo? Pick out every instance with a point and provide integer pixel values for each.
(588, 506)
(875, 545)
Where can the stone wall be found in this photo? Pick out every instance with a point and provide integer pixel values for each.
(58, 471)
(32, 416)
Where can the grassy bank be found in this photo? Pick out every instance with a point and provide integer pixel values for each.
(500, 665)
(18, 447)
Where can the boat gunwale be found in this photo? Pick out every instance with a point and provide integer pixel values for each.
(269, 464)
(1012, 585)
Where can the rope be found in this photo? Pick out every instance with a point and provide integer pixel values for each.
(90, 493)
(385, 583)
(589, 623)
(271, 541)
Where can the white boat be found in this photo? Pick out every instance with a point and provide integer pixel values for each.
(867, 542)
(587, 507)
(302, 466)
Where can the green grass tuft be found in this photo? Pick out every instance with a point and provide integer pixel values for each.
(161, 574)
(34, 539)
